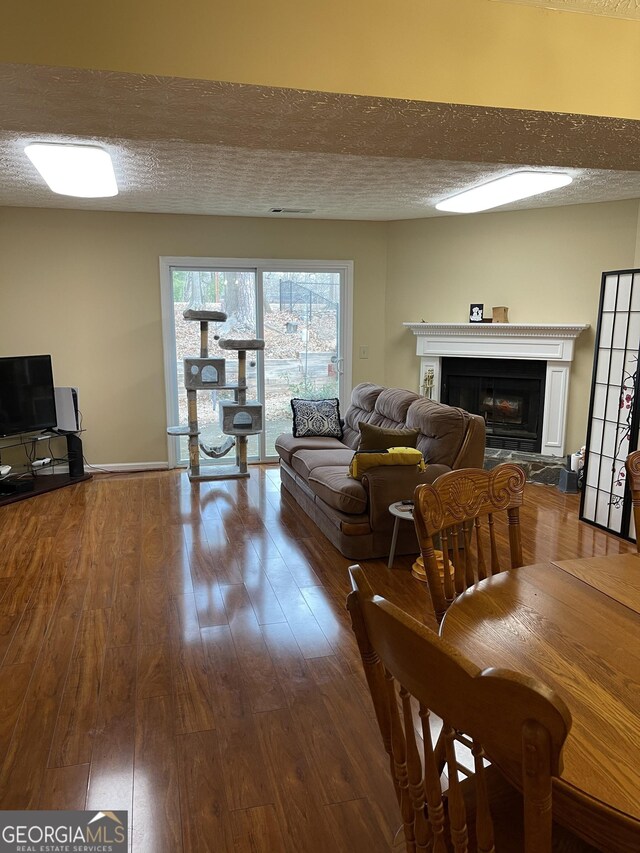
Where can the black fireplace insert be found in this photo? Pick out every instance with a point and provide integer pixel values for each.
(509, 394)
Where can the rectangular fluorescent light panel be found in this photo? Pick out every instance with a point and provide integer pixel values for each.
(504, 190)
(84, 171)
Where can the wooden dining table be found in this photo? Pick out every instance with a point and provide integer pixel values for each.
(575, 625)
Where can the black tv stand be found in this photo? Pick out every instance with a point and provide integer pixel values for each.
(40, 481)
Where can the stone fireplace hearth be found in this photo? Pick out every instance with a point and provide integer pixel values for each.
(508, 409)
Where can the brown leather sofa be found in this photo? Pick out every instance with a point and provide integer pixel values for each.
(354, 515)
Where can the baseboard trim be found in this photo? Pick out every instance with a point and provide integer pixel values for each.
(126, 467)
(110, 467)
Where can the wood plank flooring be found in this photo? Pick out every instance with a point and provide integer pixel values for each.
(183, 652)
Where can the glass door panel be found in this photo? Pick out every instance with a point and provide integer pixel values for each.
(231, 291)
(302, 358)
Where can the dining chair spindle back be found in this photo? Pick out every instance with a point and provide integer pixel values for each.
(520, 722)
(462, 508)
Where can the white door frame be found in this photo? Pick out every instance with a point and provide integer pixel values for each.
(259, 265)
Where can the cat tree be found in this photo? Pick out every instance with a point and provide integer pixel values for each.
(238, 418)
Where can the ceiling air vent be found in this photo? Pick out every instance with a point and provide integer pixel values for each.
(292, 210)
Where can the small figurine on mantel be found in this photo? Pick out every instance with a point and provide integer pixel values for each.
(500, 314)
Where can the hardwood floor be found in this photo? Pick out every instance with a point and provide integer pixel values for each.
(183, 652)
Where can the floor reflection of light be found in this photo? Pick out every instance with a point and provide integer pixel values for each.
(110, 788)
(149, 812)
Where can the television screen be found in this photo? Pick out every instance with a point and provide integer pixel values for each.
(27, 401)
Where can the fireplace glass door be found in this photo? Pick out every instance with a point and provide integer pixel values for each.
(507, 393)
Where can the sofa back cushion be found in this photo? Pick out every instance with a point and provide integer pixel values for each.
(442, 429)
(361, 408)
(377, 405)
(392, 405)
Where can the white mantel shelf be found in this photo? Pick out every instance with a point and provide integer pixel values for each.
(499, 330)
(550, 342)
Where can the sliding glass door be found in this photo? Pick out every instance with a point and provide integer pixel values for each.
(300, 308)
(302, 357)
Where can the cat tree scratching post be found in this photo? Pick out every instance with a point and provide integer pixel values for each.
(238, 418)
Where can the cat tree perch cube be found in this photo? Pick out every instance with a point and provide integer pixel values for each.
(201, 374)
(239, 419)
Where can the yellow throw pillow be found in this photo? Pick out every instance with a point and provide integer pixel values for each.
(361, 462)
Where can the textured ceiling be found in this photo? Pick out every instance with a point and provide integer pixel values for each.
(629, 9)
(178, 177)
(189, 146)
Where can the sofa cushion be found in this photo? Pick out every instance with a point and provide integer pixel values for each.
(287, 445)
(442, 429)
(304, 462)
(378, 438)
(391, 408)
(334, 486)
(361, 408)
(316, 417)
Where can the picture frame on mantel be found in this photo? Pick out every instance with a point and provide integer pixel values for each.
(476, 312)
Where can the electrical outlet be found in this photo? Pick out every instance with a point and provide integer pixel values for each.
(364, 352)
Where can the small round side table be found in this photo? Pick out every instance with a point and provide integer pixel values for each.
(400, 512)
(404, 512)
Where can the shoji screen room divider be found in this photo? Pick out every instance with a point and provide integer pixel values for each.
(614, 412)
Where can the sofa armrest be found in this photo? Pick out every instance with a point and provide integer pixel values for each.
(390, 483)
(471, 453)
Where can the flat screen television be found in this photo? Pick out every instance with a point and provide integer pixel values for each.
(27, 401)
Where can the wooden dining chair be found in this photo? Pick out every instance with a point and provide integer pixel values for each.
(515, 721)
(460, 507)
(632, 465)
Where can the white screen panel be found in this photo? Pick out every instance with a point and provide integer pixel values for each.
(606, 331)
(610, 288)
(595, 441)
(635, 293)
(620, 331)
(623, 303)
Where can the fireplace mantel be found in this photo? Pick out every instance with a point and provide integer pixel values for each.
(500, 330)
(553, 343)
(549, 342)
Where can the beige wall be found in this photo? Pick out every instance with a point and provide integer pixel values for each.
(466, 52)
(544, 264)
(84, 286)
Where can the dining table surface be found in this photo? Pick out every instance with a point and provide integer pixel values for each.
(574, 625)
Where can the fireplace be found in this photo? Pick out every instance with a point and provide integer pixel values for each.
(508, 394)
(509, 405)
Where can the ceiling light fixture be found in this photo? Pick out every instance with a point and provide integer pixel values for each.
(504, 190)
(85, 171)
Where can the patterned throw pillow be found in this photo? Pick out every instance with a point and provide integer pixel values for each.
(316, 417)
